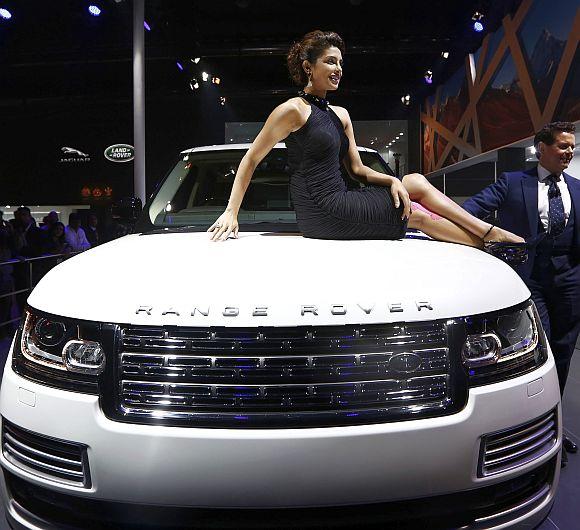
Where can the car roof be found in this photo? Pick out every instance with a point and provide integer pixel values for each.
(227, 147)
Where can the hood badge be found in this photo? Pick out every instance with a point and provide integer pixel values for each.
(262, 311)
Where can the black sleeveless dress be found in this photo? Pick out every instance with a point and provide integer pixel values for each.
(325, 208)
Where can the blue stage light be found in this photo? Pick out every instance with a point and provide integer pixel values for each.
(5, 14)
(94, 10)
(146, 26)
(477, 21)
(179, 65)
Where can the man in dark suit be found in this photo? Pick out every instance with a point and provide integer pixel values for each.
(543, 206)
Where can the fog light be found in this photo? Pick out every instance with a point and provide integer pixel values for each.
(481, 349)
(84, 356)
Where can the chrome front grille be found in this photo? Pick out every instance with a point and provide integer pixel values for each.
(57, 460)
(284, 376)
(515, 447)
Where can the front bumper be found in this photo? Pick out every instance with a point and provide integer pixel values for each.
(290, 468)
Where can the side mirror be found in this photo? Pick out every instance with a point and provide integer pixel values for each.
(127, 209)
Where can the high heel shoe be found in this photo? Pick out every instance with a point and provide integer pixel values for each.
(511, 253)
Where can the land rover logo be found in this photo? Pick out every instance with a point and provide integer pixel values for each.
(120, 153)
(405, 362)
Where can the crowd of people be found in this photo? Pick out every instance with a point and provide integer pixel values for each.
(22, 238)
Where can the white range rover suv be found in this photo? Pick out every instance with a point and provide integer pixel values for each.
(164, 380)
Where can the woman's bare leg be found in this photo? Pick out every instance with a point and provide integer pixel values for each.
(440, 228)
(422, 191)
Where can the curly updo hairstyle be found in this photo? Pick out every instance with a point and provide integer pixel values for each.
(310, 48)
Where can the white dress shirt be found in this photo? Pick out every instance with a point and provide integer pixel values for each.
(76, 239)
(543, 200)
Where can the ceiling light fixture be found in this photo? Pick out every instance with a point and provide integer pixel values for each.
(5, 14)
(477, 21)
(428, 77)
(94, 10)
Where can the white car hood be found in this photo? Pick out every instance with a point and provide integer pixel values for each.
(275, 280)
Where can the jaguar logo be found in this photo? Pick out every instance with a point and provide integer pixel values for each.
(72, 151)
(70, 155)
(405, 363)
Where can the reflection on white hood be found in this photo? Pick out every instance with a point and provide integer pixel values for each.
(275, 280)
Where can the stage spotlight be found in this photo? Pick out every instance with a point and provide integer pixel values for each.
(196, 60)
(428, 77)
(5, 14)
(179, 65)
(94, 10)
(146, 26)
(406, 100)
(193, 84)
(216, 80)
(204, 76)
(477, 21)
(222, 100)
(445, 55)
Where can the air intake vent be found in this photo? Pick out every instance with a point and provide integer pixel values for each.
(49, 458)
(515, 447)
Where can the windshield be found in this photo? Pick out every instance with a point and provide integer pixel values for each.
(198, 188)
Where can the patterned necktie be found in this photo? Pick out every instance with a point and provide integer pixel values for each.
(556, 220)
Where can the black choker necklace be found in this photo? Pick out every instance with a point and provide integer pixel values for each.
(311, 98)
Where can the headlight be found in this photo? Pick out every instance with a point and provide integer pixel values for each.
(503, 345)
(56, 343)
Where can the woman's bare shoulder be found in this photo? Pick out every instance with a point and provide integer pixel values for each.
(291, 109)
(295, 104)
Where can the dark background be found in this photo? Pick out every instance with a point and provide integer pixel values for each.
(67, 77)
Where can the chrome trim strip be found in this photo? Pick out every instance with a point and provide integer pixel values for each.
(546, 438)
(494, 439)
(16, 455)
(550, 426)
(13, 441)
(511, 513)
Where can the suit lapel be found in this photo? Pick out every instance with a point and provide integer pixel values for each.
(530, 192)
(574, 189)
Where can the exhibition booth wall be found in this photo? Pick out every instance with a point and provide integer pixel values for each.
(524, 75)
